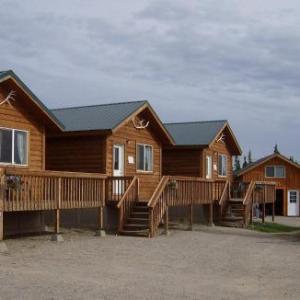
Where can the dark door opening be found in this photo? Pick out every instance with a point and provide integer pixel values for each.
(279, 202)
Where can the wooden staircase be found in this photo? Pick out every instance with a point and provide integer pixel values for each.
(234, 213)
(137, 224)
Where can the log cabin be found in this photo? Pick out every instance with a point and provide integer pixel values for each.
(26, 187)
(118, 156)
(285, 173)
(202, 149)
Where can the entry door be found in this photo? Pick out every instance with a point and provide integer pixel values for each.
(208, 167)
(118, 168)
(293, 203)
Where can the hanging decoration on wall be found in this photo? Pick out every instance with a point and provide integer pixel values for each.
(10, 97)
(221, 138)
(140, 124)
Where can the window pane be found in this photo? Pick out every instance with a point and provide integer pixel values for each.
(222, 165)
(141, 157)
(20, 151)
(5, 146)
(148, 158)
(270, 172)
(280, 172)
(116, 158)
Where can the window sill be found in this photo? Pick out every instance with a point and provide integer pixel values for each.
(144, 172)
(3, 165)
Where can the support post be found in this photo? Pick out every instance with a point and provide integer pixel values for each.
(210, 219)
(191, 216)
(101, 232)
(1, 204)
(167, 221)
(57, 237)
(273, 211)
(264, 206)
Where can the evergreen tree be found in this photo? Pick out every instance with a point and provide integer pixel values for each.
(292, 159)
(276, 149)
(245, 163)
(250, 161)
(237, 163)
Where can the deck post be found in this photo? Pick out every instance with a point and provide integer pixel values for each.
(1, 204)
(210, 218)
(167, 221)
(57, 237)
(264, 206)
(191, 216)
(273, 211)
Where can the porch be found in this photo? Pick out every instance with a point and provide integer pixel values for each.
(29, 191)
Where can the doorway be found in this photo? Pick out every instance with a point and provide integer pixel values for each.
(118, 168)
(279, 202)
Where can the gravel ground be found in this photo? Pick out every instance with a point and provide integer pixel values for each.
(207, 263)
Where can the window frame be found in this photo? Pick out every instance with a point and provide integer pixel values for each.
(209, 171)
(226, 171)
(137, 158)
(12, 163)
(275, 173)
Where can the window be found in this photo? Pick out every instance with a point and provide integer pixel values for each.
(208, 167)
(144, 158)
(293, 197)
(275, 171)
(13, 146)
(222, 165)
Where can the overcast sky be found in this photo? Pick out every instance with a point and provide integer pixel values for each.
(193, 60)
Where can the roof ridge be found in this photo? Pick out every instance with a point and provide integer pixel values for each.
(96, 105)
(195, 122)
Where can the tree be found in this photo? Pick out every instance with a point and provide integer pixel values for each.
(250, 161)
(245, 163)
(292, 159)
(276, 149)
(237, 164)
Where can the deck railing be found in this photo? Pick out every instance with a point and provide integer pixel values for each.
(47, 190)
(182, 191)
(116, 186)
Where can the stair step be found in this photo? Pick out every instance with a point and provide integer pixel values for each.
(138, 220)
(139, 214)
(141, 204)
(140, 209)
(133, 226)
(141, 233)
(233, 219)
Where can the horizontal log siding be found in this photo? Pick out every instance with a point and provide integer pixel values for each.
(129, 136)
(290, 182)
(19, 117)
(182, 162)
(76, 154)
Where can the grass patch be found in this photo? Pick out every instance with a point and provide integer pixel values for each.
(272, 227)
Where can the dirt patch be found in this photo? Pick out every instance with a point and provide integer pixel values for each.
(207, 263)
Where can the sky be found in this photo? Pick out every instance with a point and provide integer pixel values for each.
(193, 60)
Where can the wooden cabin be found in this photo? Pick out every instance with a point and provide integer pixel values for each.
(285, 173)
(202, 149)
(120, 140)
(26, 186)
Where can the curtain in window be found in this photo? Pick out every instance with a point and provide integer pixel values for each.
(20, 148)
(148, 158)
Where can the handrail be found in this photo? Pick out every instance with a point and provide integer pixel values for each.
(127, 192)
(249, 192)
(16, 172)
(159, 189)
(225, 190)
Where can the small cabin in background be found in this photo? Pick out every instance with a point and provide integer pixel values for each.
(202, 149)
(285, 173)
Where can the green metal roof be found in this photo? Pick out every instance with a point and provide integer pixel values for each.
(195, 133)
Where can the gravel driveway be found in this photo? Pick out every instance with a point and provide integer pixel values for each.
(207, 263)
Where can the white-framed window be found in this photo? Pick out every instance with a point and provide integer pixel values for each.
(13, 146)
(222, 165)
(208, 166)
(275, 172)
(144, 158)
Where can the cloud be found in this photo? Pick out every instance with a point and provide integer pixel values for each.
(210, 59)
